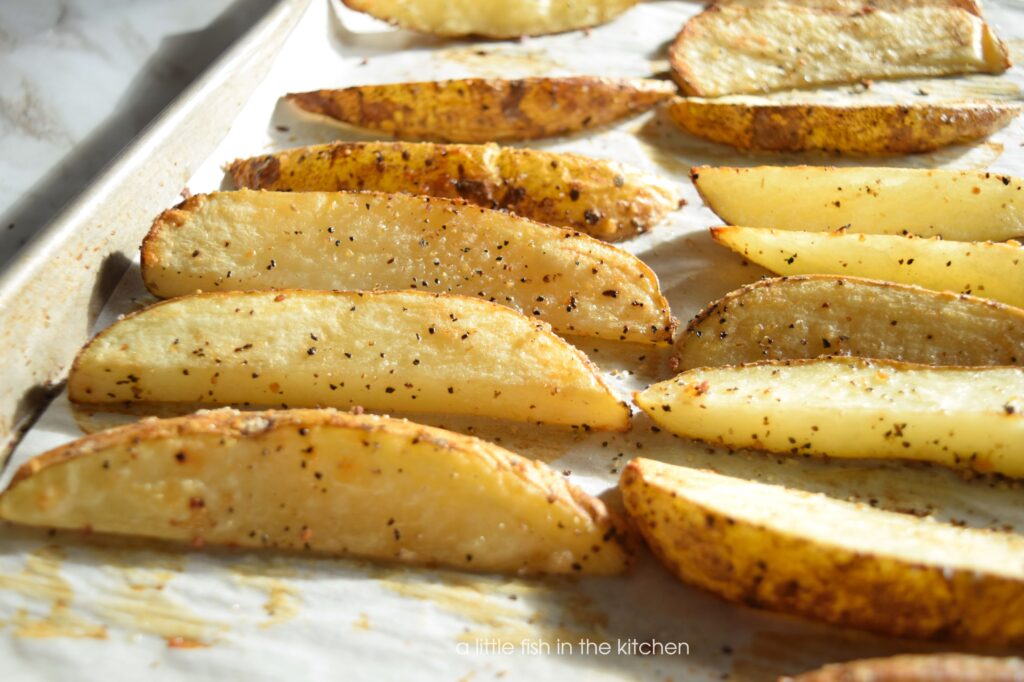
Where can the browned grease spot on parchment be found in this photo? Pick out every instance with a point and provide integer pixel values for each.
(504, 609)
(59, 622)
(282, 598)
(40, 579)
(140, 605)
(362, 622)
(496, 61)
(146, 609)
(137, 603)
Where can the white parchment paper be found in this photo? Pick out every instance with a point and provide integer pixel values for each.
(94, 608)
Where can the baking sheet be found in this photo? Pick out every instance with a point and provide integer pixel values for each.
(88, 607)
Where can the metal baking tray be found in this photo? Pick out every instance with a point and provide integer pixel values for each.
(92, 607)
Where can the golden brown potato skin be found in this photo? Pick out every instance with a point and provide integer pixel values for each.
(809, 316)
(601, 198)
(487, 109)
(871, 129)
(747, 46)
(748, 563)
(919, 668)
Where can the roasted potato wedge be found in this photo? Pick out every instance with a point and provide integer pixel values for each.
(872, 129)
(809, 316)
(492, 18)
(322, 481)
(751, 46)
(968, 417)
(602, 198)
(841, 562)
(987, 269)
(919, 668)
(241, 240)
(487, 109)
(953, 204)
(392, 350)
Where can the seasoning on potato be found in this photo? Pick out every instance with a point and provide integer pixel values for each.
(993, 270)
(759, 124)
(487, 109)
(392, 350)
(751, 46)
(605, 199)
(229, 241)
(809, 316)
(492, 18)
(928, 202)
(961, 417)
(844, 563)
(326, 482)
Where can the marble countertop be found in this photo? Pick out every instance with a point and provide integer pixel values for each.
(79, 79)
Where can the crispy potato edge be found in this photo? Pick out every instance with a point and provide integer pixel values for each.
(382, 108)
(867, 129)
(716, 550)
(714, 306)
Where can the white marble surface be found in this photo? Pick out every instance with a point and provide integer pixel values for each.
(80, 78)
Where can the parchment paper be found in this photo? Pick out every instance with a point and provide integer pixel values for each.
(97, 608)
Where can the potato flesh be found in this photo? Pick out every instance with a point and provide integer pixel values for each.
(846, 407)
(841, 562)
(492, 18)
(985, 269)
(404, 351)
(487, 109)
(751, 47)
(602, 198)
(953, 204)
(919, 668)
(757, 124)
(231, 241)
(814, 315)
(324, 482)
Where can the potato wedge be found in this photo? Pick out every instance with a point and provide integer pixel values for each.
(809, 316)
(919, 668)
(841, 562)
(966, 417)
(392, 350)
(492, 18)
(953, 204)
(602, 198)
(987, 269)
(228, 241)
(751, 46)
(872, 129)
(487, 109)
(322, 481)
